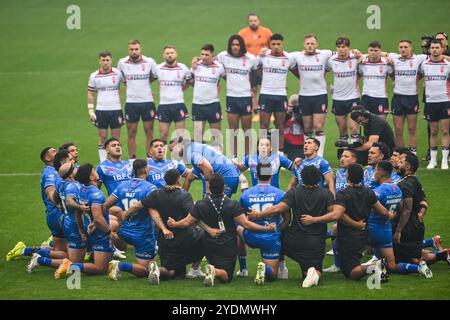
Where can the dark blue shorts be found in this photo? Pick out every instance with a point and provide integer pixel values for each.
(239, 105)
(109, 119)
(100, 244)
(72, 234)
(144, 243)
(344, 107)
(172, 112)
(139, 110)
(375, 105)
(310, 105)
(272, 103)
(435, 111)
(210, 112)
(231, 185)
(269, 244)
(403, 105)
(55, 223)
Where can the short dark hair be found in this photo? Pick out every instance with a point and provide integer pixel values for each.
(83, 174)
(43, 153)
(343, 41)
(276, 36)
(156, 140)
(252, 14)
(60, 156)
(412, 160)
(401, 150)
(355, 173)
(171, 176)
(208, 47)
(310, 175)
(352, 151)
(443, 33)
(104, 54)
(384, 149)
(386, 167)
(107, 142)
(262, 169)
(139, 166)
(375, 44)
(216, 183)
(65, 146)
(436, 41)
(242, 49)
(317, 142)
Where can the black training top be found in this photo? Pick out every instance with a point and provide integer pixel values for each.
(379, 127)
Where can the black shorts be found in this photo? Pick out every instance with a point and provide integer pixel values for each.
(405, 251)
(351, 250)
(272, 103)
(176, 253)
(222, 252)
(109, 119)
(310, 105)
(210, 112)
(435, 111)
(344, 107)
(293, 151)
(239, 105)
(306, 250)
(172, 112)
(135, 111)
(255, 79)
(403, 105)
(375, 105)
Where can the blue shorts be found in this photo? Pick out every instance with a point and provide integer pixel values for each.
(175, 112)
(344, 107)
(144, 243)
(269, 244)
(380, 237)
(310, 105)
(139, 110)
(72, 234)
(210, 112)
(239, 105)
(272, 103)
(403, 105)
(100, 244)
(55, 223)
(231, 185)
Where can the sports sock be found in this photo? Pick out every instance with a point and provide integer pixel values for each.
(268, 271)
(407, 268)
(43, 252)
(321, 137)
(126, 266)
(444, 154)
(413, 150)
(101, 153)
(337, 259)
(44, 261)
(427, 243)
(433, 154)
(79, 265)
(242, 262)
(282, 265)
(27, 251)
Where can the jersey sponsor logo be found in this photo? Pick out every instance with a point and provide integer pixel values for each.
(406, 73)
(303, 67)
(206, 79)
(241, 72)
(275, 70)
(109, 88)
(373, 77)
(170, 83)
(435, 78)
(347, 74)
(137, 77)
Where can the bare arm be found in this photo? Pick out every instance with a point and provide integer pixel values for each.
(133, 209)
(52, 195)
(334, 213)
(188, 180)
(183, 223)
(80, 222)
(329, 179)
(292, 183)
(72, 203)
(243, 221)
(269, 212)
(90, 102)
(360, 225)
(99, 219)
(206, 168)
(160, 224)
(366, 146)
(109, 202)
(286, 220)
(382, 211)
(405, 213)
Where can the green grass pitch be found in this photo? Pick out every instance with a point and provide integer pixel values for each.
(44, 68)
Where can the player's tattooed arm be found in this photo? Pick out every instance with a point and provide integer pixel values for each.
(112, 200)
(188, 179)
(423, 207)
(334, 212)
(286, 220)
(80, 223)
(206, 168)
(249, 225)
(329, 179)
(269, 212)
(99, 219)
(160, 224)
(184, 223)
(292, 183)
(405, 213)
(382, 211)
(72, 203)
(360, 225)
(51, 194)
(133, 209)
(213, 232)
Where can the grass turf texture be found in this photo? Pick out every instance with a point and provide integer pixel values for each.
(44, 69)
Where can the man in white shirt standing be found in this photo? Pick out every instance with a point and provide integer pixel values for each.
(172, 77)
(138, 71)
(105, 83)
(436, 72)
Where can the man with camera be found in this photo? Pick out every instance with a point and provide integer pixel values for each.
(376, 129)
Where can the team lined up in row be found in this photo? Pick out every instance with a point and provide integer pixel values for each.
(80, 217)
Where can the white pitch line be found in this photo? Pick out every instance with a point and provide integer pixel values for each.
(18, 174)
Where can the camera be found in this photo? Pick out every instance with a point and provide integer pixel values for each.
(344, 144)
(426, 42)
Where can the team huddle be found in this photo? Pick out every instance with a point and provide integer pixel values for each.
(380, 208)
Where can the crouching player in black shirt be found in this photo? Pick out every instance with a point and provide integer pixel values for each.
(177, 247)
(219, 214)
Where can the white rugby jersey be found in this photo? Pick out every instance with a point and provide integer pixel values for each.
(137, 75)
(171, 80)
(106, 85)
(206, 82)
(274, 72)
(345, 73)
(437, 80)
(238, 73)
(375, 76)
(311, 68)
(406, 73)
